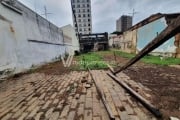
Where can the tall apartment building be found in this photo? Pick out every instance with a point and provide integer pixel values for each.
(82, 10)
(123, 23)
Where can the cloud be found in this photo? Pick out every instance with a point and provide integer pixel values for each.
(104, 12)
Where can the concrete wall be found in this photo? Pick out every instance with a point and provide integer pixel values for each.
(27, 39)
(129, 41)
(125, 42)
(70, 39)
(148, 32)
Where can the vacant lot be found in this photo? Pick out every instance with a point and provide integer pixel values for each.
(153, 72)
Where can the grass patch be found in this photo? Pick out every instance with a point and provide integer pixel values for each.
(158, 61)
(95, 60)
(91, 60)
(150, 59)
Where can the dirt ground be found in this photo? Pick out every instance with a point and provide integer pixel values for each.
(164, 82)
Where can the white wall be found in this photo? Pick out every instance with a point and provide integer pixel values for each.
(73, 42)
(17, 53)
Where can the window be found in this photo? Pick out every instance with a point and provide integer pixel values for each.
(80, 25)
(89, 29)
(89, 25)
(84, 15)
(84, 5)
(84, 10)
(73, 6)
(89, 20)
(87, 5)
(73, 1)
(77, 0)
(80, 29)
(87, 0)
(84, 25)
(78, 6)
(88, 15)
(88, 10)
(79, 20)
(79, 15)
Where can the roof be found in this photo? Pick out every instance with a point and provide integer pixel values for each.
(153, 18)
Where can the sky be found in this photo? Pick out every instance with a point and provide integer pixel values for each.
(104, 12)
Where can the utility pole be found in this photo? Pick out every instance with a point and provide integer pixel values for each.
(46, 13)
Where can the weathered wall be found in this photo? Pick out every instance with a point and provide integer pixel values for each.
(129, 41)
(148, 32)
(27, 39)
(70, 38)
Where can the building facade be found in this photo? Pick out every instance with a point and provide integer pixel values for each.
(123, 23)
(82, 10)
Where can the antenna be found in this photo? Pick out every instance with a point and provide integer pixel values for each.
(133, 13)
(46, 13)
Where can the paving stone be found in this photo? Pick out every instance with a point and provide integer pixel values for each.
(38, 116)
(19, 112)
(33, 113)
(7, 117)
(88, 115)
(48, 113)
(65, 111)
(96, 118)
(47, 104)
(23, 116)
(55, 116)
(80, 111)
(71, 115)
(74, 104)
(88, 104)
(82, 99)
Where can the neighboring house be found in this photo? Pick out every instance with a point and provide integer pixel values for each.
(115, 40)
(70, 39)
(139, 35)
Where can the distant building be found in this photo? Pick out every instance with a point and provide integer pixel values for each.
(123, 23)
(82, 10)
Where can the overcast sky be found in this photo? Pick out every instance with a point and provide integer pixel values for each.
(104, 12)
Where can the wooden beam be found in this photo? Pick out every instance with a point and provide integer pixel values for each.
(100, 92)
(143, 101)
